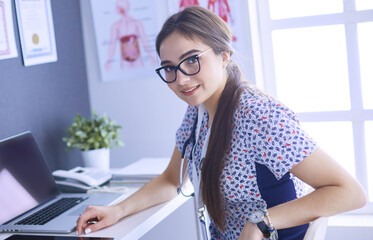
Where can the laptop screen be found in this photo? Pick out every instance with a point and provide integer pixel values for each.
(25, 179)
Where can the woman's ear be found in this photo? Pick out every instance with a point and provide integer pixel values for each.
(226, 56)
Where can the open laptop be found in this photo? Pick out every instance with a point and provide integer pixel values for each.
(29, 198)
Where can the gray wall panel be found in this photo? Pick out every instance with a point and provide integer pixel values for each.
(45, 98)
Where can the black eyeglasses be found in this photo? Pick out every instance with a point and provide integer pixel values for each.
(189, 66)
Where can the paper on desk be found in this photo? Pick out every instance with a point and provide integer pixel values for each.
(144, 169)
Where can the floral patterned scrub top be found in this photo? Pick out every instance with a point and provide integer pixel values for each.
(267, 142)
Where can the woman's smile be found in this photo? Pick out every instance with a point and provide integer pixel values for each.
(190, 90)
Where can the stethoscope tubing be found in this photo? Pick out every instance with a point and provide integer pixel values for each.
(191, 139)
(197, 190)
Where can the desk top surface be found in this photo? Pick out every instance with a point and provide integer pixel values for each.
(136, 225)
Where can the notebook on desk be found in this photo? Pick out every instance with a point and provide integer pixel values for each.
(30, 200)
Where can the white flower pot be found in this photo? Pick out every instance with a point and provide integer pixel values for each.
(97, 158)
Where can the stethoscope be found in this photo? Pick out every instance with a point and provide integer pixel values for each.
(201, 210)
(191, 139)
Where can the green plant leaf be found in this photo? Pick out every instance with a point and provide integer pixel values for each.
(94, 133)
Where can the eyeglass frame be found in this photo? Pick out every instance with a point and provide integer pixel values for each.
(181, 70)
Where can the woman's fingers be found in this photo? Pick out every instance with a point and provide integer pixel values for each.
(94, 218)
(87, 218)
(94, 226)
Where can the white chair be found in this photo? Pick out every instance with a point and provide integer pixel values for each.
(317, 229)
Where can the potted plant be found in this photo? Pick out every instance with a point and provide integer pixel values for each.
(94, 137)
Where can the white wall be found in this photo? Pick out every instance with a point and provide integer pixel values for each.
(147, 109)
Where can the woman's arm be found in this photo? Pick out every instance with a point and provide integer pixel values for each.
(336, 191)
(158, 190)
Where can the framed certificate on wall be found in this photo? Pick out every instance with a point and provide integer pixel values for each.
(7, 41)
(36, 31)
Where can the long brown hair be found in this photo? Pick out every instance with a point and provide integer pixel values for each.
(197, 23)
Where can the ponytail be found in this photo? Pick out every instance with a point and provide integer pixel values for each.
(219, 145)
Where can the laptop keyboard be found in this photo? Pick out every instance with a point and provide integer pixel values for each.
(46, 214)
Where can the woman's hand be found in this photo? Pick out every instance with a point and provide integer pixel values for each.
(97, 217)
(250, 232)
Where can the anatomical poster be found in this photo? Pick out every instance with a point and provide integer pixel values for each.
(125, 32)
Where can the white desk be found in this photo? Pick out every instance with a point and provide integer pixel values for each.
(137, 225)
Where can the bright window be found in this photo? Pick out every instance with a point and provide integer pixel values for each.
(309, 64)
(298, 8)
(336, 138)
(369, 140)
(316, 56)
(364, 4)
(365, 36)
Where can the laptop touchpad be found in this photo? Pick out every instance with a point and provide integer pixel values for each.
(78, 211)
